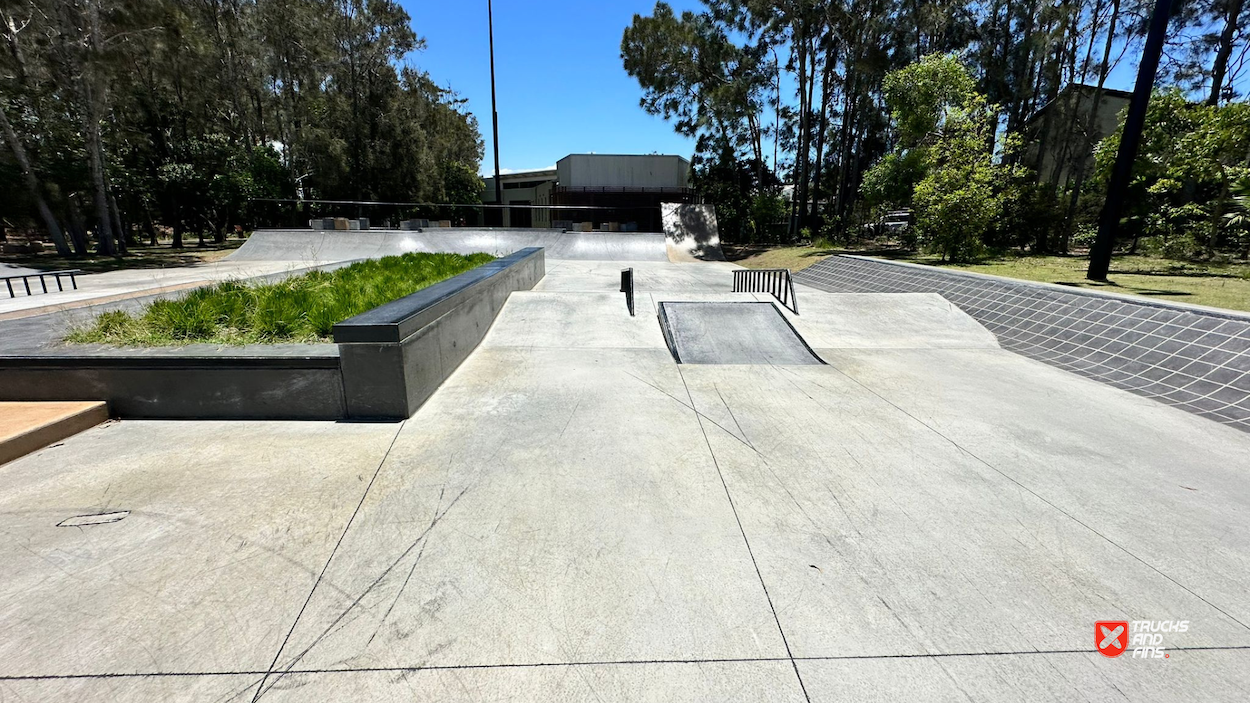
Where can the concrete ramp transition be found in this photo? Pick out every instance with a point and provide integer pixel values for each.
(732, 333)
(691, 232)
(337, 245)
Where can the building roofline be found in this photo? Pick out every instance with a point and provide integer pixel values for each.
(1072, 87)
(672, 156)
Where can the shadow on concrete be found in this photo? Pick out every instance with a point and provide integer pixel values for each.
(692, 231)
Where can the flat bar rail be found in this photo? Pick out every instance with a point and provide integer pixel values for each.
(43, 281)
(627, 287)
(776, 282)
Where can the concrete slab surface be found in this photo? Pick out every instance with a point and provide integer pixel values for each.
(574, 516)
(116, 285)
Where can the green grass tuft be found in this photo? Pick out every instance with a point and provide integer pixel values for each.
(297, 309)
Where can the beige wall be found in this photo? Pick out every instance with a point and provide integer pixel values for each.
(623, 171)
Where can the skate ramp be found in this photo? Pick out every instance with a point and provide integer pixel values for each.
(691, 233)
(732, 333)
(308, 245)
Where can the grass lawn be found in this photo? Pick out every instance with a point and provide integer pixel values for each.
(1215, 285)
(297, 309)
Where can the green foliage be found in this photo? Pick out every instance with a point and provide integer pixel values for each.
(204, 105)
(768, 217)
(1186, 176)
(746, 208)
(944, 166)
(693, 74)
(298, 309)
(890, 183)
(1030, 211)
(922, 96)
(461, 183)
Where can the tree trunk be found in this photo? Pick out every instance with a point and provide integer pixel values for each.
(1220, 68)
(798, 201)
(1082, 166)
(823, 123)
(95, 150)
(77, 227)
(32, 185)
(123, 242)
(150, 228)
(105, 244)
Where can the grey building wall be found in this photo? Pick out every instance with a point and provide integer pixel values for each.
(1059, 133)
(623, 171)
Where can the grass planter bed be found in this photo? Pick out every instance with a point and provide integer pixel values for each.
(299, 309)
(381, 365)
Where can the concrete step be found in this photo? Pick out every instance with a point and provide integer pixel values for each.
(27, 427)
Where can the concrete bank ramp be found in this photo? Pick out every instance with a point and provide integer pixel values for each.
(308, 245)
(691, 233)
(732, 333)
(886, 321)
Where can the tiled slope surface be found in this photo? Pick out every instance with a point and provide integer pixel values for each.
(1196, 361)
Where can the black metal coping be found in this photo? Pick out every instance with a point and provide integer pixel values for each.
(399, 319)
(1192, 358)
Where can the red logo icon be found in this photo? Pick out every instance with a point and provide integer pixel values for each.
(1111, 636)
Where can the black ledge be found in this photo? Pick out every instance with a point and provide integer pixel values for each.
(399, 319)
(395, 356)
(143, 361)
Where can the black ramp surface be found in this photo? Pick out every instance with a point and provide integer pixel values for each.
(732, 333)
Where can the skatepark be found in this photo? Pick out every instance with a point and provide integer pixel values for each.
(714, 498)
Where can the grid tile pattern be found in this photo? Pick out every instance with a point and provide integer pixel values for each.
(1195, 361)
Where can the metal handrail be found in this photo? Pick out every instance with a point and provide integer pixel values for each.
(8, 280)
(776, 282)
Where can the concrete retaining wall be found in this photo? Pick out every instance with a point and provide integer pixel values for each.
(220, 386)
(387, 362)
(395, 356)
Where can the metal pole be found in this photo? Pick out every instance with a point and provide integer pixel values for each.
(494, 113)
(1134, 123)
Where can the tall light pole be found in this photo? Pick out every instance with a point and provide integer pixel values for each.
(494, 113)
(1134, 123)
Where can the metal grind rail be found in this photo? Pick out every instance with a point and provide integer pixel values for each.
(627, 287)
(43, 281)
(776, 282)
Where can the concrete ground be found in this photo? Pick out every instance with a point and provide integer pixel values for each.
(573, 516)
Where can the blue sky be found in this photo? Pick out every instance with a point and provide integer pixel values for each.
(561, 86)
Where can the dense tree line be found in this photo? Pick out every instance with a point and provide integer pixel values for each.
(810, 76)
(124, 116)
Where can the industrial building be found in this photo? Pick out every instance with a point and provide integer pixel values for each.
(621, 192)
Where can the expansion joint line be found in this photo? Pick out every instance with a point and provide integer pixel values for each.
(767, 596)
(1042, 498)
(277, 655)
